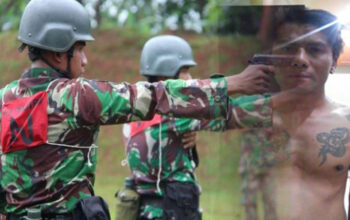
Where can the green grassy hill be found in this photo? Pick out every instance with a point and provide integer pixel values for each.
(115, 56)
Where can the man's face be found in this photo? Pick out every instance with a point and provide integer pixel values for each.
(312, 59)
(184, 73)
(78, 61)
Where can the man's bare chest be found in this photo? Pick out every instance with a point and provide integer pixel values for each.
(312, 146)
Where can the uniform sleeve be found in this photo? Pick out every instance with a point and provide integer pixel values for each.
(244, 112)
(253, 111)
(101, 102)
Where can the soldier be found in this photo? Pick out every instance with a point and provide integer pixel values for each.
(50, 116)
(162, 168)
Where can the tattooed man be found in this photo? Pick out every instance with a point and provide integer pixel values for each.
(310, 138)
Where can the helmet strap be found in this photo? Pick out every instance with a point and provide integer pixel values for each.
(177, 74)
(63, 74)
(70, 54)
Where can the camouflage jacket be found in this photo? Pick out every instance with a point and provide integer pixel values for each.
(48, 155)
(144, 140)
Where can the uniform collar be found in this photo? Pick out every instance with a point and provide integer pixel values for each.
(37, 72)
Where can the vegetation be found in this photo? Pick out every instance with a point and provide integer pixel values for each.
(151, 16)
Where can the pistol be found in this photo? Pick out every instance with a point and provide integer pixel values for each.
(275, 60)
(271, 59)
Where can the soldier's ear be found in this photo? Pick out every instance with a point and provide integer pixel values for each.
(58, 57)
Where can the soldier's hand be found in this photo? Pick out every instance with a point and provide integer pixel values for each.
(189, 139)
(252, 80)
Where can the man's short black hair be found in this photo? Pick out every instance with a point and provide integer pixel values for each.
(153, 79)
(34, 53)
(319, 19)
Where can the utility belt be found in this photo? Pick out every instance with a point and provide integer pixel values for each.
(65, 216)
(93, 207)
(180, 202)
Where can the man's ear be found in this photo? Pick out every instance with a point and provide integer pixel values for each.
(333, 67)
(58, 57)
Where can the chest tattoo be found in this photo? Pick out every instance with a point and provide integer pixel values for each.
(333, 143)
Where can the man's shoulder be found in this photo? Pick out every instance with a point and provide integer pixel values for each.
(340, 109)
(9, 86)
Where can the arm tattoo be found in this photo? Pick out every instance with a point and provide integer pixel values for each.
(333, 143)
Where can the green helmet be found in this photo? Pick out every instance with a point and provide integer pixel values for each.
(165, 55)
(54, 25)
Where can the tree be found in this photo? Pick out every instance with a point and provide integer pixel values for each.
(10, 13)
(154, 15)
(146, 15)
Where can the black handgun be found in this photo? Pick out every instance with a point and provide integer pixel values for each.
(275, 60)
(271, 59)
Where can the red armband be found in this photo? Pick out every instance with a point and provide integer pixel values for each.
(24, 123)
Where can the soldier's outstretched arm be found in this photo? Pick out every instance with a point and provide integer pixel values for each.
(253, 111)
(101, 102)
(245, 111)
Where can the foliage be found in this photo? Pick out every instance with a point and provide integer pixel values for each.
(154, 16)
(10, 13)
(234, 17)
(151, 16)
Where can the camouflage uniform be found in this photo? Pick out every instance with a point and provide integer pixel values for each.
(144, 139)
(55, 174)
(260, 150)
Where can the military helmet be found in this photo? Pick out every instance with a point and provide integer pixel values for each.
(165, 55)
(54, 25)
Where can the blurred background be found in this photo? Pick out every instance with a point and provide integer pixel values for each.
(223, 34)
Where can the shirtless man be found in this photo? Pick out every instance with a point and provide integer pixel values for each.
(310, 137)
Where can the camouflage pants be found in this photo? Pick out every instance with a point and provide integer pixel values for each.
(251, 186)
(149, 212)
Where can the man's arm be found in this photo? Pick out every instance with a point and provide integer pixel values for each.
(101, 102)
(244, 112)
